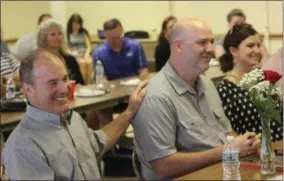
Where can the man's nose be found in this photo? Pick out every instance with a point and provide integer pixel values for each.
(62, 87)
(257, 49)
(210, 47)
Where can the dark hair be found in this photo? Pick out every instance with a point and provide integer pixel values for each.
(233, 38)
(76, 18)
(111, 24)
(164, 27)
(235, 12)
(41, 17)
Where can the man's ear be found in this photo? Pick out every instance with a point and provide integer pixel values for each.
(27, 89)
(178, 46)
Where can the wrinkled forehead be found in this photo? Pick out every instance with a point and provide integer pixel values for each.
(117, 32)
(48, 65)
(198, 32)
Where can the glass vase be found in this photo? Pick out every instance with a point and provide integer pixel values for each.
(267, 155)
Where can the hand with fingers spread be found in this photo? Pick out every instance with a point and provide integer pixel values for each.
(247, 143)
(136, 97)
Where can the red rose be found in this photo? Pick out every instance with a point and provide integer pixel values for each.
(271, 76)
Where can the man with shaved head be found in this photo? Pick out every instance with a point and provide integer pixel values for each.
(52, 142)
(180, 126)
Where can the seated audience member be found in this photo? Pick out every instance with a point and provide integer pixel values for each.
(79, 45)
(27, 43)
(50, 37)
(242, 53)
(237, 17)
(180, 126)
(9, 67)
(162, 51)
(121, 56)
(52, 142)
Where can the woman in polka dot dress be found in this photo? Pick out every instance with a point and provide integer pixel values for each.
(242, 52)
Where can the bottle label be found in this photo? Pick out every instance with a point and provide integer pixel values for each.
(231, 156)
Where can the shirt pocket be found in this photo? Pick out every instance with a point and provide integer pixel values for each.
(222, 122)
(191, 123)
(192, 127)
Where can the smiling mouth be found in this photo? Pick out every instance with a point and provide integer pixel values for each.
(62, 100)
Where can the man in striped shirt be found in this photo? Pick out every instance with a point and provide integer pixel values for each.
(9, 67)
(9, 64)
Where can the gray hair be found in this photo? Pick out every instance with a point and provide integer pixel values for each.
(43, 29)
(27, 66)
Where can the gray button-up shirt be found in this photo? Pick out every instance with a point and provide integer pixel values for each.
(173, 117)
(45, 146)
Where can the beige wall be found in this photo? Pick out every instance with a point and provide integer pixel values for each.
(215, 12)
(20, 17)
(141, 15)
(144, 15)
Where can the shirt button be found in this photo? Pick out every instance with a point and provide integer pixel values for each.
(59, 127)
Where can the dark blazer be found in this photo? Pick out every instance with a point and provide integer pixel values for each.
(73, 69)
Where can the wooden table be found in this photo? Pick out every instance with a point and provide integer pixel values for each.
(215, 172)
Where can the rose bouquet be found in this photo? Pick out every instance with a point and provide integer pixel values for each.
(265, 96)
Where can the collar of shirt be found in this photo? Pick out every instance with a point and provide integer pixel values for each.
(180, 85)
(125, 44)
(50, 118)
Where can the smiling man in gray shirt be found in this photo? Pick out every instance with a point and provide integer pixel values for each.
(53, 142)
(180, 126)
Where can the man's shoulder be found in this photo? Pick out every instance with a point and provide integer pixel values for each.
(19, 138)
(102, 49)
(132, 42)
(27, 37)
(159, 86)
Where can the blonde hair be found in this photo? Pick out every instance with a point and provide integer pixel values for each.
(42, 32)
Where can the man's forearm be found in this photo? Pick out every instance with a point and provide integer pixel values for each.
(179, 164)
(117, 127)
(143, 73)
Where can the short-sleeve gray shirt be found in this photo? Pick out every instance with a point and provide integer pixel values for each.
(175, 118)
(46, 147)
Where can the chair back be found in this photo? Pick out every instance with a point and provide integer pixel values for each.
(136, 165)
(137, 34)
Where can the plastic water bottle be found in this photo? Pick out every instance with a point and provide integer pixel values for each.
(231, 161)
(10, 88)
(99, 75)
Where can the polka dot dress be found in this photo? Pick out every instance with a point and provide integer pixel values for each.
(242, 113)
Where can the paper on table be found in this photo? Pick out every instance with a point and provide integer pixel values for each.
(131, 82)
(83, 92)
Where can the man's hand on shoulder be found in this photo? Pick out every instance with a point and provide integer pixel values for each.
(136, 98)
